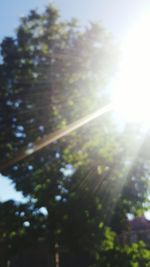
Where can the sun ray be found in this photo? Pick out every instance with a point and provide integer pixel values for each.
(132, 85)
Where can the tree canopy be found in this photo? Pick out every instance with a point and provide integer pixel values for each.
(51, 74)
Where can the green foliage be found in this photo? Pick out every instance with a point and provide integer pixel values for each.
(20, 227)
(111, 253)
(51, 74)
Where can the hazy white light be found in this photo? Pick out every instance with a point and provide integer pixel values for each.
(132, 86)
(26, 224)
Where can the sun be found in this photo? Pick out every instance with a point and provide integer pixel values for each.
(131, 96)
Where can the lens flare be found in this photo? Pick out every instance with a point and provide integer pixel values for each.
(132, 85)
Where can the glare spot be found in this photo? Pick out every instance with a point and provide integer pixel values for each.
(30, 167)
(26, 224)
(44, 211)
(15, 168)
(58, 198)
(29, 151)
(57, 155)
(41, 128)
(132, 84)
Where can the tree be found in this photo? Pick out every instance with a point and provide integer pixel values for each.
(16, 233)
(51, 74)
(112, 254)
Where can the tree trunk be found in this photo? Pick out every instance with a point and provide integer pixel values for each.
(51, 237)
(51, 260)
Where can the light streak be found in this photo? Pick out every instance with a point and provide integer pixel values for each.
(52, 137)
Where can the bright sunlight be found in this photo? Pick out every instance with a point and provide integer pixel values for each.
(132, 86)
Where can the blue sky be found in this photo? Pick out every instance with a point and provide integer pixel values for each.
(7, 190)
(116, 15)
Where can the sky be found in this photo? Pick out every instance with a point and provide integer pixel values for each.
(117, 16)
(7, 190)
